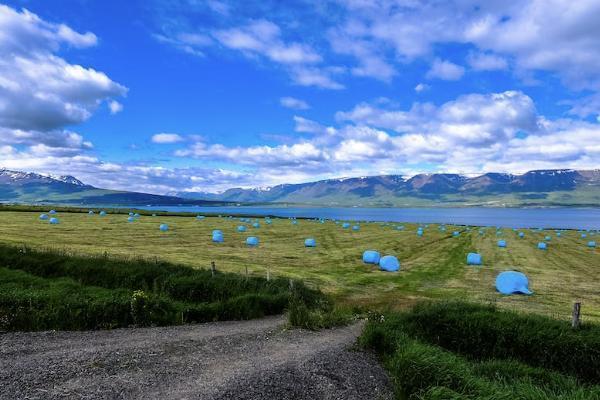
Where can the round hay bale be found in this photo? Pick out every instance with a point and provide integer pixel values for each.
(130, 219)
(163, 227)
(52, 212)
(521, 235)
(456, 233)
(44, 217)
(511, 282)
(91, 212)
(54, 221)
(371, 257)
(501, 243)
(256, 225)
(217, 231)
(310, 242)
(591, 244)
(240, 228)
(345, 225)
(103, 213)
(474, 259)
(252, 241)
(389, 264)
(356, 228)
(542, 246)
(217, 237)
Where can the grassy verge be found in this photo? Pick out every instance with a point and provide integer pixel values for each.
(42, 290)
(463, 351)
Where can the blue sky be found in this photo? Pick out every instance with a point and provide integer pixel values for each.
(189, 95)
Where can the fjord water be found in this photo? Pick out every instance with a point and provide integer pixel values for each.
(558, 218)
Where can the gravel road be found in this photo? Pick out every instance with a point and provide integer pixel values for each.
(225, 360)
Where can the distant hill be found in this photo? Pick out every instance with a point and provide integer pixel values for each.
(26, 187)
(535, 188)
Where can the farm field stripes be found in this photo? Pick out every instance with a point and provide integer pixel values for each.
(432, 266)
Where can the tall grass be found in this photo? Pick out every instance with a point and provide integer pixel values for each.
(420, 350)
(55, 290)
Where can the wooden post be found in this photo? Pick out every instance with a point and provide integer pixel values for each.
(268, 274)
(213, 268)
(576, 315)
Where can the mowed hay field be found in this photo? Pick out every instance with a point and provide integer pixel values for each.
(432, 266)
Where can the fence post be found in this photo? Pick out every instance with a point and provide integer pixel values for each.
(576, 315)
(268, 274)
(213, 268)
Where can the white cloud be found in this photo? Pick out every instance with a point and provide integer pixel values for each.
(421, 87)
(166, 138)
(115, 107)
(39, 90)
(293, 103)
(486, 62)
(446, 70)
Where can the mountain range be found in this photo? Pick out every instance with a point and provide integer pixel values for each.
(564, 187)
(535, 188)
(27, 187)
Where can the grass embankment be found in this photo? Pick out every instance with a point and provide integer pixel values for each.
(42, 290)
(433, 266)
(467, 351)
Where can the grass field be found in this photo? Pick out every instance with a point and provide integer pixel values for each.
(433, 266)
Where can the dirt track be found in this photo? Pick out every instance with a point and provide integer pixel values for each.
(225, 360)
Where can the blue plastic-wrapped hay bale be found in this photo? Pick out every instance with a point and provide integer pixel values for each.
(103, 213)
(474, 259)
(345, 225)
(310, 242)
(400, 228)
(371, 257)
(501, 243)
(547, 238)
(294, 222)
(54, 221)
(558, 234)
(419, 233)
(91, 212)
(163, 227)
(240, 228)
(44, 217)
(52, 212)
(583, 235)
(356, 228)
(389, 264)
(199, 217)
(136, 215)
(256, 225)
(268, 221)
(217, 237)
(521, 235)
(252, 241)
(130, 214)
(512, 282)
(591, 244)
(130, 219)
(542, 246)
(217, 231)
(456, 233)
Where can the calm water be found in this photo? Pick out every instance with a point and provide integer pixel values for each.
(567, 218)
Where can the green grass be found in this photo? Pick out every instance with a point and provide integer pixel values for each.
(55, 290)
(433, 267)
(452, 358)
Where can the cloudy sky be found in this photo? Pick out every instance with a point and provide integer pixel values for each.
(172, 95)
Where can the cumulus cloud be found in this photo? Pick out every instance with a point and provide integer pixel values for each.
(115, 107)
(39, 90)
(421, 87)
(486, 62)
(446, 70)
(293, 103)
(166, 138)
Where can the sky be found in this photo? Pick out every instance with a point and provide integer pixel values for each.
(166, 96)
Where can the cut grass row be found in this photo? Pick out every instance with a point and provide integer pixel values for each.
(467, 351)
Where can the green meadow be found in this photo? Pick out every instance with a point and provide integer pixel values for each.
(432, 266)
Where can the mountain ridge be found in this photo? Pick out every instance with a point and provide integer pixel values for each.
(546, 187)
